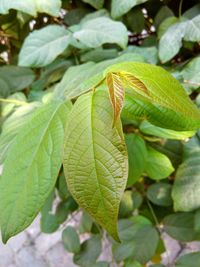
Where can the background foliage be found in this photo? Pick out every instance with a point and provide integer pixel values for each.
(54, 50)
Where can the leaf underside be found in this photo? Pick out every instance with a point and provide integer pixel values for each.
(95, 159)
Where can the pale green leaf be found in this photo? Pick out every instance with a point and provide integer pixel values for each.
(192, 30)
(158, 166)
(163, 101)
(191, 72)
(42, 46)
(32, 7)
(95, 32)
(95, 3)
(31, 168)
(119, 8)
(95, 159)
(166, 24)
(171, 41)
(150, 129)
(185, 191)
(163, 13)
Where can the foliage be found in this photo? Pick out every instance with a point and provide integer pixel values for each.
(100, 118)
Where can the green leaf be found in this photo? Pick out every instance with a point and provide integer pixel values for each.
(180, 226)
(135, 20)
(150, 54)
(160, 194)
(166, 24)
(14, 78)
(126, 204)
(171, 41)
(192, 30)
(89, 253)
(71, 240)
(85, 223)
(164, 102)
(99, 185)
(51, 7)
(185, 192)
(79, 79)
(95, 32)
(95, 3)
(12, 126)
(137, 156)
(192, 12)
(189, 260)
(119, 8)
(31, 168)
(42, 46)
(163, 13)
(99, 54)
(132, 263)
(139, 240)
(150, 129)
(191, 72)
(158, 166)
(116, 93)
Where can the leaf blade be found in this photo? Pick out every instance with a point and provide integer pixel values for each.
(99, 185)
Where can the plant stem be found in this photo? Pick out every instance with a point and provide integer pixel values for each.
(152, 212)
(14, 101)
(180, 8)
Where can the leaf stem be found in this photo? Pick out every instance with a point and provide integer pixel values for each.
(14, 101)
(152, 212)
(180, 8)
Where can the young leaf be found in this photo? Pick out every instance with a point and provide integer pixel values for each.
(95, 159)
(167, 104)
(42, 46)
(116, 93)
(31, 168)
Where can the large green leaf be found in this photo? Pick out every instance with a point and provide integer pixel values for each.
(52, 7)
(158, 97)
(98, 31)
(185, 191)
(79, 79)
(15, 78)
(119, 8)
(31, 168)
(95, 159)
(95, 3)
(42, 46)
